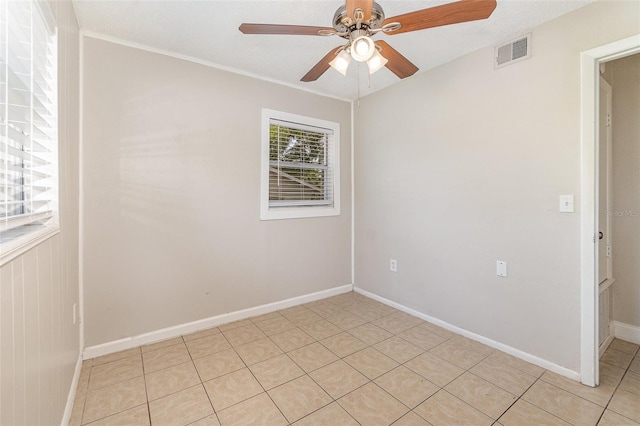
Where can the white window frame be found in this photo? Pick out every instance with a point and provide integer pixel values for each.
(30, 229)
(291, 211)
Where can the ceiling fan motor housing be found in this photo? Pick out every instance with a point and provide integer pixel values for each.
(344, 24)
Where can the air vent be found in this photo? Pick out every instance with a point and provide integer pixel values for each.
(514, 51)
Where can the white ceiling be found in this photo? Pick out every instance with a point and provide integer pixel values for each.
(208, 31)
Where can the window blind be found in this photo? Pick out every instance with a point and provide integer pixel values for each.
(299, 170)
(28, 116)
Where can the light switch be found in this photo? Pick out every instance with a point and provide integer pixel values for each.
(501, 268)
(566, 204)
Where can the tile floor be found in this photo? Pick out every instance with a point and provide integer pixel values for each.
(346, 360)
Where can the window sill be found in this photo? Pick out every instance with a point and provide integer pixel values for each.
(20, 245)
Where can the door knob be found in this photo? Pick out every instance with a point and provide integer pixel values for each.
(600, 235)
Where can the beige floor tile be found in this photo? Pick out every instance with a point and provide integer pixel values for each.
(320, 329)
(524, 414)
(162, 344)
(211, 420)
(398, 349)
(398, 322)
(324, 309)
(312, 357)
(508, 378)
(275, 325)
(626, 404)
(343, 344)
(137, 416)
(207, 345)
(462, 352)
(370, 405)
(618, 358)
(635, 365)
(235, 324)
(116, 371)
(444, 409)
(423, 337)
(114, 399)
(434, 369)
(77, 410)
(292, 339)
(181, 408)
(330, 415)
(256, 411)
(241, 335)
(624, 346)
(610, 418)
(276, 371)
(408, 387)
(367, 313)
(610, 377)
(438, 330)
(300, 315)
(631, 383)
(232, 388)
(113, 357)
(563, 404)
(218, 364)
(513, 362)
(299, 397)
(370, 334)
(165, 357)
(480, 394)
(171, 380)
(411, 419)
(346, 320)
(338, 378)
(371, 362)
(200, 334)
(258, 350)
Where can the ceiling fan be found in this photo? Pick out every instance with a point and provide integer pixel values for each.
(359, 20)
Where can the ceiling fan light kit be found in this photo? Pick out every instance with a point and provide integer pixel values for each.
(359, 20)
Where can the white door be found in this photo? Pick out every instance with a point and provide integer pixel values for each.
(604, 184)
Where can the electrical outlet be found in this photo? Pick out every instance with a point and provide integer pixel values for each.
(393, 265)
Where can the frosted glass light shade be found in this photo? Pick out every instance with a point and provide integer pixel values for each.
(362, 48)
(376, 62)
(341, 62)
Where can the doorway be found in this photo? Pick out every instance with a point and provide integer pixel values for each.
(590, 268)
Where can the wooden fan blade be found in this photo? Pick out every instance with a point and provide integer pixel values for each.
(281, 29)
(365, 5)
(322, 66)
(446, 14)
(397, 64)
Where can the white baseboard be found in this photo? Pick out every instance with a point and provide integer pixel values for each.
(630, 333)
(68, 409)
(573, 375)
(192, 327)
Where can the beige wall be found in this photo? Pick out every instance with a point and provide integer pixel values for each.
(462, 166)
(624, 77)
(38, 341)
(172, 230)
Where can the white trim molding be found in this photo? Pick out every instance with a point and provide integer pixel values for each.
(590, 61)
(573, 375)
(68, 409)
(628, 332)
(203, 324)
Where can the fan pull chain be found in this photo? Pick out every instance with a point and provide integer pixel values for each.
(358, 84)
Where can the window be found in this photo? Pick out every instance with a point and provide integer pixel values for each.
(28, 121)
(300, 166)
